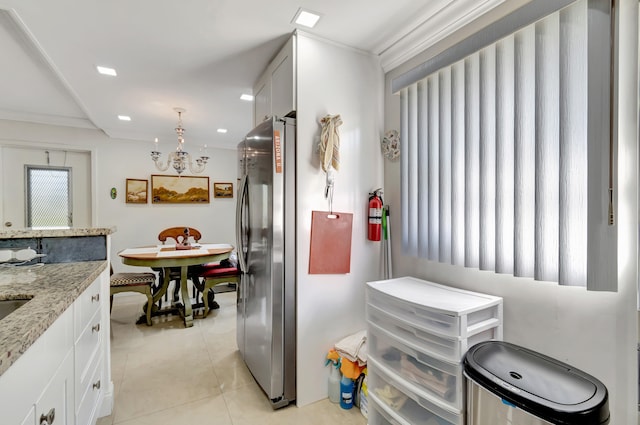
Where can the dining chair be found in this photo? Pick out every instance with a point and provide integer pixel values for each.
(133, 282)
(180, 235)
(211, 276)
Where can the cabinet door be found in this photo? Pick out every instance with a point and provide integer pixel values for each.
(282, 95)
(30, 419)
(55, 405)
(40, 363)
(85, 308)
(262, 101)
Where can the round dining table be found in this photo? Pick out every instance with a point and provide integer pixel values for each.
(168, 257)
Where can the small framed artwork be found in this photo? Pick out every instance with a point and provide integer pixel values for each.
(179, 189)
(137, 191)
(223, 190)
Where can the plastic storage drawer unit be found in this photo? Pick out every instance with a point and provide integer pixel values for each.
(439, 309)
(406, 403)
(445, 347)
(511, 384)
(443, 380)
(418, 332)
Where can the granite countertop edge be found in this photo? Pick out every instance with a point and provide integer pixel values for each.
(53, 288)
(56, 233)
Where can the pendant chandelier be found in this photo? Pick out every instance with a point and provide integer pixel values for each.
(180, 159)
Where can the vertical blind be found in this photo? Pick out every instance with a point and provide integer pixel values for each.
(506, 154)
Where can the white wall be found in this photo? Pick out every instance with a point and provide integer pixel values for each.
(116, 160)
(334, 80)
(13, 184)
(594, 331)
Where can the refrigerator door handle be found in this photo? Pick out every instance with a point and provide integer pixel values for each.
(240, 233)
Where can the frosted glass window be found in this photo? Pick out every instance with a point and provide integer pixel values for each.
(506, 150)
(48, 197)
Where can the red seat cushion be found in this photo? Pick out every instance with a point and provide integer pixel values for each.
(217, 271)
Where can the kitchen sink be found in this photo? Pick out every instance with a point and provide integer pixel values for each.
(9, 306)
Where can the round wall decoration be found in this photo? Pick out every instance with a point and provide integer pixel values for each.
(391, 145)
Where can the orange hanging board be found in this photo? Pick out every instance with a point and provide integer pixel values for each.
(330, 251)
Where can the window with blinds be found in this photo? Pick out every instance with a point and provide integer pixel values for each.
(507, 158)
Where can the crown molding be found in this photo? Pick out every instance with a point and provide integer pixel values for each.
(58, 120)
(432, 27)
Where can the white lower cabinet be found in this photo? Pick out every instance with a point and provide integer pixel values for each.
(31, 417)
(55, 405)
(89, 338)
(90, 395)
(41, 380)
(60, 379)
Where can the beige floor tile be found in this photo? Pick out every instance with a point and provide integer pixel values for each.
(247, 405)
(232, 373)
(169, 374)
(206, 411)
(324, 412)
(107, 420)
(139, 398)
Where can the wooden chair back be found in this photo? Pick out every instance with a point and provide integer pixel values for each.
(178, 234)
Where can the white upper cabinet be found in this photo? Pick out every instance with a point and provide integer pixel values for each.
(262, 100)
(274, 92)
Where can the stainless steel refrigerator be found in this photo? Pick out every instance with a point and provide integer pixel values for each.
(265, 233)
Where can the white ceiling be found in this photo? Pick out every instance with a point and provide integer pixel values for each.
(200, 55)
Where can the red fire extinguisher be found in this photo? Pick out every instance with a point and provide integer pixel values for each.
(375, 215)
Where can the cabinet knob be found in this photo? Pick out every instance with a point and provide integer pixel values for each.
(95, 298)
(48, 418)
(95, 328)
(96, 386)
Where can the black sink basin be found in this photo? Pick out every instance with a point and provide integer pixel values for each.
(9, 306)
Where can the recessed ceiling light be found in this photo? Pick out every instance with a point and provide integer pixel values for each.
(124, 118)
(306, 18)
(247, 97)
(106, 71)
(222, 130)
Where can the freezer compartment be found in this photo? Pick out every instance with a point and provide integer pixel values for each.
(441, 380)
(450, 348)
(439, 309)
(406, 404)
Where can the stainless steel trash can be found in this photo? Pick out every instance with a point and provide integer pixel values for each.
(508, 384)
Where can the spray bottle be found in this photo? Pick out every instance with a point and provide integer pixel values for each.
(346, 392)
(334, 381)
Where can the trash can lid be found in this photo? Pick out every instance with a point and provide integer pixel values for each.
(540, 385)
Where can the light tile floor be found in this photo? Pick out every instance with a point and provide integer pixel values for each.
(169, 374)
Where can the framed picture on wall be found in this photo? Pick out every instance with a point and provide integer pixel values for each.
(137, 191)
(223, 190)
(179, 189)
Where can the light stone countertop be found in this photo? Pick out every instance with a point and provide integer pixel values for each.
(55, 233)
(54, 287)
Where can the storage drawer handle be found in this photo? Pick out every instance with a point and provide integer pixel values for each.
(48, 418)
(95, 328)
(95, 298)
(96, 386)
